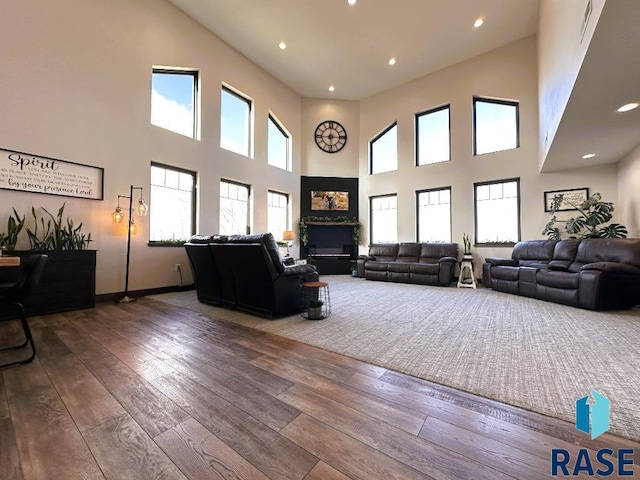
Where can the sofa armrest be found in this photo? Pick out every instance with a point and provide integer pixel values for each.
(448, 260)
(288, 261)
(505, 262)
(294, 270)
(612, 267)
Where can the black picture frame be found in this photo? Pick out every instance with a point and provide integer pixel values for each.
(27, 172)
(571, 195)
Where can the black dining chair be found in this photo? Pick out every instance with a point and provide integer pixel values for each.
(12, 297)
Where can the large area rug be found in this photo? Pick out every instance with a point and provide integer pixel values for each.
(524, 352)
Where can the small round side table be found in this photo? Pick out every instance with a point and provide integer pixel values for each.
(316, 301)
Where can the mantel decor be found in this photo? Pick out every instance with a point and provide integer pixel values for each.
(26, 172)
(313, 220)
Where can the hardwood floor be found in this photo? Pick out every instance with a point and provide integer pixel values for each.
(149, 390)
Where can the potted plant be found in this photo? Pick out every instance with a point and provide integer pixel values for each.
(466, 242)
(314, 309)
(68, 280)
(590, 223)
(9, 239)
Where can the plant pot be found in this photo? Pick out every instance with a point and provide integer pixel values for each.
(314, 313)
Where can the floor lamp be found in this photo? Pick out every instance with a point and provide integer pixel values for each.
(141, 209)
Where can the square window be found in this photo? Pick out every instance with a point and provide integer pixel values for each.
(497, 208)
(174, 100)
(433, 137)
(495, 126)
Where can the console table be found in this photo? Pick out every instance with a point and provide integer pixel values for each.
(9, 261)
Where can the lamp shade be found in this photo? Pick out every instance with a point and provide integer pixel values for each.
(288, 236)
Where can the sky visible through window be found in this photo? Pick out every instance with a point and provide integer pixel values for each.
(433, 137)
(234, 123)
(277, 145)
(496, 127)
(172, 102)
(384, 152)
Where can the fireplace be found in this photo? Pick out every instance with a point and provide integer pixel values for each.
(330, 247)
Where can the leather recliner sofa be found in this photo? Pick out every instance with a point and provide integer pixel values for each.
(593, 273)
(422, 263)
(246, 272)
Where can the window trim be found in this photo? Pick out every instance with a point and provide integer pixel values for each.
(287, 135)
(475, 212)
(427, 190)
(249, 202)
(417, 133)
(250, 127)
(194, 203)
(289, 212)
(195, 73)
(496, 101)
(375, 139)
(371, 198)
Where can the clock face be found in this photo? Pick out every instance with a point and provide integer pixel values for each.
(331, 136)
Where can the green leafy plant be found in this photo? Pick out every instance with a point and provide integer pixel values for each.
(590, 223)
(15, 224)
(56, 234)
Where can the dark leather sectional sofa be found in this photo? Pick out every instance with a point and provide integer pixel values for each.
(422, 263)
(594, 273)
(246, 272)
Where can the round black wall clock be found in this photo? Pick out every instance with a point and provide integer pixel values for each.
(331, 136)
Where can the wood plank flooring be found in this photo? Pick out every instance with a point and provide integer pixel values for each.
(152, 391)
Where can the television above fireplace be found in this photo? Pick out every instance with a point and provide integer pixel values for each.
(323, 200)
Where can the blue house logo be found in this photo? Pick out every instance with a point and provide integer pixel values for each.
(593, 417)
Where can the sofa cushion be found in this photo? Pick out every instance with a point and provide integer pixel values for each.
(200, 239)
(408, 252)
(376, 266)
(505, 273)
(556, 279)
(425, 268)
(269, 243)
(433, 252)
(621, 250)
(384, 251)
(399, 267)
(533, 252)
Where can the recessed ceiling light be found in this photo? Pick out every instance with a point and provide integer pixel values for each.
(332, 88)
(351, 2)
(478, 23)
(392, 61)
(588, 155)
(627, 107)
(282, 45)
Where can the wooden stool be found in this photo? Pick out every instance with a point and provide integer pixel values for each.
(466, 265)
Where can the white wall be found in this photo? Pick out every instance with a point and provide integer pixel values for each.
(561, 50)
(507, 73)
(628, 205)
(76, 85)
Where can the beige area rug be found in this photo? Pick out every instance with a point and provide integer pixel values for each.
(524, 352)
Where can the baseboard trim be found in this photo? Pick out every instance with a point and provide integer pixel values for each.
(113, 297)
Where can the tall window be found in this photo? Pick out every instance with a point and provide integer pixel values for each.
(172, 217)
(277, 213)
(235, 122)
(384, 219)
(495, 125)
(278, 141)
(383, 150)
(498, 212)
(234, 208)
(434, 215)
(433, 138)
(174, 100)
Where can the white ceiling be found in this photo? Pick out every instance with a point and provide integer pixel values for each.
(330, 42)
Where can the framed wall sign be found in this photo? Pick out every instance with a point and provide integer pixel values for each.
(574, 196)
(25, 172)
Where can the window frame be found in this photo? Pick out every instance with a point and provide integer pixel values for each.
(250, 130)
(288, 211)
(373, 197)
(475, 212)
(195, 134)
(194, 204)
(417, 133)
(249, 226)
(428, 190)
(272, 118)
(375, 139)
(510, 103)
